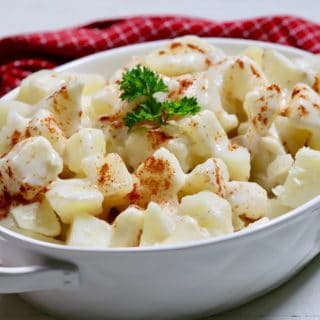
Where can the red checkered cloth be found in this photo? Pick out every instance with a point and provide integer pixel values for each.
(22, 54)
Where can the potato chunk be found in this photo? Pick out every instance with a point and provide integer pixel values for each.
(86, 142)
(203, 86)
(208, 139)
(160, 177)
(6, 106)
(37, 217)
(281, 70)
(39, 85)
(106, 101)
(110, 174)
(44, 124)
(43, 83)
(302, 183)
(158, 224)
(127, 228)
(12, 132)
(187, 230)
(29, 167)
(88, 231)
(66, 107)
(248, 200)
(74, 197)
(242, 76)
(276, 209)
(183, 55)
(212, 212)
(211, 175)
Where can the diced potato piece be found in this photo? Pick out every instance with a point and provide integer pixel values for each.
(278, 169)
(255, 54)
(73, 197)
(303, 107)
(92, 82)
(44, 124)
(211, 212)
(183, 55)
(281, 70)
(158, 224)
(139, 146)
(10, 223)
(302, 183)
(88, 231)
(187, 230)
(262, 105)
(43, 83)
(238, 162)
(276, 173)
(210, 140)
(247, 199)
(39, 237)
(110, 174)
(39, 85)
(86, 142)
(20, 108)
(211, 175)
(179, 147)
(142, 143)
(276, 209)
(37, 217)
(65, 104)
(12, 132)
(246, 72)
(106, 101)
(207, 135)
(127, 228)
(268, 149)
(29, 167)
(303, 112)
(160, 177)
(204, 88)
(291, 137)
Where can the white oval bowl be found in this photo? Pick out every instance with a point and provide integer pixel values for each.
(176, 281)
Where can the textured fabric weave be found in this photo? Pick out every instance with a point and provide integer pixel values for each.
(22, 54)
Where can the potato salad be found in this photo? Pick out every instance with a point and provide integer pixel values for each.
(181, 145)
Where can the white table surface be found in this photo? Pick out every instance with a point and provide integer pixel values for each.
(300, 297)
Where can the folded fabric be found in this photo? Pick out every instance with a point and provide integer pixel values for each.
(22, 54)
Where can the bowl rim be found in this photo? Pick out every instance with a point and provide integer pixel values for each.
(215, 41)
(212, 40)
(290, 216)
(24, 241)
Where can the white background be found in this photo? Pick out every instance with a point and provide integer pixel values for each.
(300, 297)
(29, 15)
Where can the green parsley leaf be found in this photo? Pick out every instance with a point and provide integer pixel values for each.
(149, 110)
(182, 107)
(140, 81)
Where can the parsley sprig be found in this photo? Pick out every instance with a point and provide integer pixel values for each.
(142, 83)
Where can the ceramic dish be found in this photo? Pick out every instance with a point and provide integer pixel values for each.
(167, 282)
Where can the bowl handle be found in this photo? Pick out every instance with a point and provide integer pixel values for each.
(51, 274)
(55, 275)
